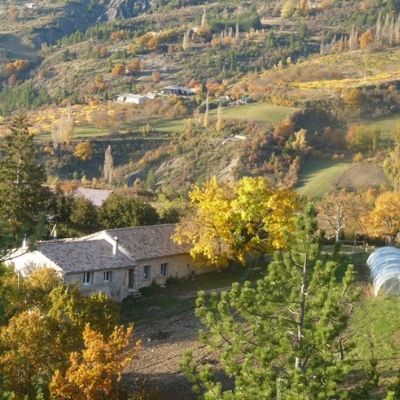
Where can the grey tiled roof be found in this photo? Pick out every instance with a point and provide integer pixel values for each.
(147, 242)
(81, 255)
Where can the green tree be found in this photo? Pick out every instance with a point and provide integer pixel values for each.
(22, 195)
(120, 211)
(84, 214)
(282, 337)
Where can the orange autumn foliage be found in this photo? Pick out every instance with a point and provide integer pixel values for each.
(94, 373)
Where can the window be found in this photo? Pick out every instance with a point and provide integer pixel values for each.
(163, 269)
(87, 278)
(107, 276)
(146, 272)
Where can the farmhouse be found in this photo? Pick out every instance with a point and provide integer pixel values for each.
(132, 98)
(117, 262)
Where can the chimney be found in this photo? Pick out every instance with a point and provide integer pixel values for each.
(115, 246)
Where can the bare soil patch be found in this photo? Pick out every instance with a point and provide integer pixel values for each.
(361, 176)
(164, 345)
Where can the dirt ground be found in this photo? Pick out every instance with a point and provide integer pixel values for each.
(164, 344)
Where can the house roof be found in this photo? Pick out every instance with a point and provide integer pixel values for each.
(96, 196)
(83, 255)
(146, 242)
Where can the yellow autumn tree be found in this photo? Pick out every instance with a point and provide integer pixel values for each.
(366, 39)
(384, 218)
(84, 151)
(27, 352)
(260, 216)
(229, 222)
(94, 373)
(208, 228)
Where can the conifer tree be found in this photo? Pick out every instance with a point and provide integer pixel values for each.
(282, 337)
(22, 195)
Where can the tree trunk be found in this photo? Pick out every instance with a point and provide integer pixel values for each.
(300, 325)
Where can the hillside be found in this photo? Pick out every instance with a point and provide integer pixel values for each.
(320, 66)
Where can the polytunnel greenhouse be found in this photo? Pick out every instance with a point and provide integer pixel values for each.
(384, 264)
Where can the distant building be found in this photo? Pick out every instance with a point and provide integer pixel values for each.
(95, 196)
(132, 98)
(117, 262)
(177, 91)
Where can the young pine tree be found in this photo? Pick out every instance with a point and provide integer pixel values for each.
(22, 195)
(283, 337)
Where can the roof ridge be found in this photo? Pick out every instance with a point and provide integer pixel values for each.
(138, 227)
(72, 240)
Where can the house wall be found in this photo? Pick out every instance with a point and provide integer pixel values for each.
(27, 262)
(117, 288)
(179, 266)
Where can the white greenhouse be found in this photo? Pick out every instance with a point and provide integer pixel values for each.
(384, 264)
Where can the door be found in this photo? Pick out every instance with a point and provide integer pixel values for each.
(131, 278)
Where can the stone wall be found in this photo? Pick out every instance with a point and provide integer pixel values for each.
(179, 266)
(117, 288)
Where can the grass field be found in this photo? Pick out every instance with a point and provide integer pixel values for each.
(83, 132)
(80, 132)
(387, 126)
(256, 112)
(318, 177)
(252, 112)
(375, 332)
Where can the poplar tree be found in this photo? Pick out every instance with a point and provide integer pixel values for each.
(282, 337)
(108, 168)
(22, 195)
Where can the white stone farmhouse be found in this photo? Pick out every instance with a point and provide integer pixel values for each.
(117, 262)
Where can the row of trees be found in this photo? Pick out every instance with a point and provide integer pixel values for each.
(77, 216)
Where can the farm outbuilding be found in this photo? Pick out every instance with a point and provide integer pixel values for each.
(384, 264)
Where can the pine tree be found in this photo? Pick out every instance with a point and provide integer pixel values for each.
(283, 336)
(22, 195)
(108, 169)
